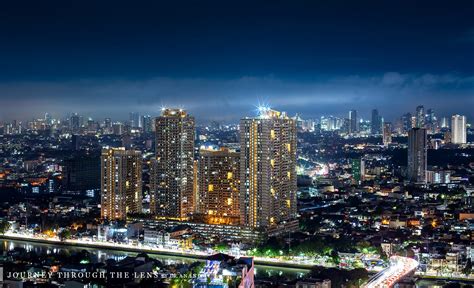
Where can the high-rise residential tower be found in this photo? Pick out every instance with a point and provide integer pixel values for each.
(387, 133)
(458, 129)
(219, 185)
(417, 155)
(353, 124)
(267, 169)
(173, 169)
(121, 183)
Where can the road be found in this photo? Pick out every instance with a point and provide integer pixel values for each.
(398, 269)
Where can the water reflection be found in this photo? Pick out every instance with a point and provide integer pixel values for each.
(100, 255)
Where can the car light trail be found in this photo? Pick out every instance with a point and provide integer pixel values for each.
(399, 268)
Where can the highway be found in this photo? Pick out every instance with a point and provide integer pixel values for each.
(399, 268)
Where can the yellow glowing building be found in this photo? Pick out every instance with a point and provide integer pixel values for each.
(218, 185)
(173, 168)
(121, 183)
(267, 169)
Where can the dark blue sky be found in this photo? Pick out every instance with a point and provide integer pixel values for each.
(220, 58)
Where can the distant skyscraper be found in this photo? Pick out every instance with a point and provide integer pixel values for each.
(147, 123)
(406, 122)
(387, 133)
(420, 117)
(75, 123)
(444, 122)
(173, 168)
(219, 182)
(417, 155)
(267, 169)
(376, 123)
(458, 129)
(431, 121)
(121, 185)
(135, 120)
(353, 123)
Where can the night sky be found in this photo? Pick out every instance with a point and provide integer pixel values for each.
(219, 59)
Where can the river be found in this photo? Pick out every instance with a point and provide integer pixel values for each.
(100, 255)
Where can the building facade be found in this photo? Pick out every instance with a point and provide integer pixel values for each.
(353, 123)
(387, 133)
(121, 183)
(219, 185)
(267, 169)
(173, 167)
(420, 117)
(417, 155)
(376, 123)
(458, 129)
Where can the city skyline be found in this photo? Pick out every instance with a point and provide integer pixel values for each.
(237, 144)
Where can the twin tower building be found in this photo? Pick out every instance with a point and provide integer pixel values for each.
(254, 187)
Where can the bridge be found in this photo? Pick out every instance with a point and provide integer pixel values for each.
(399, 268)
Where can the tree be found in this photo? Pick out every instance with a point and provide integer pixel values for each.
(64, 234)
(4, 226)
(467, 269)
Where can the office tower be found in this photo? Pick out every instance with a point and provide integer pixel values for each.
(147, 123)
(406, 122)
(48, 119)
(376, 124)
(458, 129)
(81, 173)
(417, 155)
(75, 123)
(353, 124)
(218, 185)
(121, 183)
(267, 169)
(107, 123)
(431, 123)
(387, 133)
(118, 128)
(135, 120)
(172, 179)
(420, 117)
(444, 122)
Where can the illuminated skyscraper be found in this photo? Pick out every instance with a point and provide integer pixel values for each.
(420, 117)
(406, 122)
(147, 123)
(458, 129)
(135, 120)
(172, 170)
(219, 182)
(353, 123)
(267, 169)
(121, 183)
(417, 155)
(387, 133)
(444, 122)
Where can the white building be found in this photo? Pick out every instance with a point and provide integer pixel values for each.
(458, 129)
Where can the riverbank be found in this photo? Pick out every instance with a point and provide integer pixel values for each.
(174, 253)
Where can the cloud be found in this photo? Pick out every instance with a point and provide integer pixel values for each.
(229, 99)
